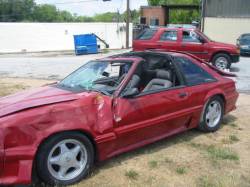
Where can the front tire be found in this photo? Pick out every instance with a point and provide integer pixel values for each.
(222, 61)
(65, 159)
(212, 115)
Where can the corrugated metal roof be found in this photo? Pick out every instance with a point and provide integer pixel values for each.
(227, 8)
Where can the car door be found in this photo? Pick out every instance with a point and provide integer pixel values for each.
(150, 116)
(198, 83)
(192, 43)
(169, 40)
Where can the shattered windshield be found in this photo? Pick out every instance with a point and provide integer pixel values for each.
(97, 75)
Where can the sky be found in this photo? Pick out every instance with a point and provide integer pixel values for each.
(92, 7)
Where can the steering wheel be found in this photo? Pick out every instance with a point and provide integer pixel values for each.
(116, 82)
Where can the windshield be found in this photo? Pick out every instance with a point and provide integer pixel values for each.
(204, 36)
(245, 40)
(147, 34)
(101, 76)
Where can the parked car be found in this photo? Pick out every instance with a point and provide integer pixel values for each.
(107, 107)
(243, 42)
(188, 40)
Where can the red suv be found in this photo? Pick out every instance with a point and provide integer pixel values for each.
(188, 40)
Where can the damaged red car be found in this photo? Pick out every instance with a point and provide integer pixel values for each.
(107, 107)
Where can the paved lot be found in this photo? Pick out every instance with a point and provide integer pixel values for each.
(242, 70)
(57, 67)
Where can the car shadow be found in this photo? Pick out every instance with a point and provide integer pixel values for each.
(151, 148)
(244, 55)
(234, 69)
(157, 146)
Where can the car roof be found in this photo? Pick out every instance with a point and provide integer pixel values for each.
(243, 35)
(174, 28)
(120, 58)
(135, 56)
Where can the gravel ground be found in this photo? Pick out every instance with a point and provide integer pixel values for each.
(42, 66)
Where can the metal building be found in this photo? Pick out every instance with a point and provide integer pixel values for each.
(225, 20)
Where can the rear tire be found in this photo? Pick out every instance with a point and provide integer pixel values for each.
(212, 115)
(222, 61)
(65, 159)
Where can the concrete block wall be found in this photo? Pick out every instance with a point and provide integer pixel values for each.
(35, 37)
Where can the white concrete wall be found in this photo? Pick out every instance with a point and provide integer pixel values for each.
(226, 29)
(32, 37)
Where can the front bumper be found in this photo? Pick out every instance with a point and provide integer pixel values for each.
(235, 58)
(17, 168)
(245, 51)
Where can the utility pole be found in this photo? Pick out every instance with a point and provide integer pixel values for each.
(127, 24)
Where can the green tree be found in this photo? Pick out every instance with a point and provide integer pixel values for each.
(179, 16)
(169, 2)
(45, 13)
(16, 10)
(28, 10)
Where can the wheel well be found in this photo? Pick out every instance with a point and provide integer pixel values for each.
(219, 52)
(84, 133)
(223, 99)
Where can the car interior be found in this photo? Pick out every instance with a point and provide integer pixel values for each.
(111, 79)
(156, 72)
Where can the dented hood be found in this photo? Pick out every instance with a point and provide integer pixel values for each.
(34, 98)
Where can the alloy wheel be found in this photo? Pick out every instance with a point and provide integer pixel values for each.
(221, 63)
(67, 159)
(213, 114)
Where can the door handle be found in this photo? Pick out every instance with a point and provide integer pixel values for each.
(183, 94)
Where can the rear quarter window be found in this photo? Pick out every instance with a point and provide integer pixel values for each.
(193, 74)
(147, 34)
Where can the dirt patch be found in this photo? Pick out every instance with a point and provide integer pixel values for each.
(220, 159)
(13, 85)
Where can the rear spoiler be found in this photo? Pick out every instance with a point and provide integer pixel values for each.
(223, 73)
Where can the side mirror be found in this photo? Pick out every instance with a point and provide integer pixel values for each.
(130, 93)
(105, 74)
(202, 40)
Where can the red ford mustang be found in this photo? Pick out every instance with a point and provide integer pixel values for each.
(107, 107)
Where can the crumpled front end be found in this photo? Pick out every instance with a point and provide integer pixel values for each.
(15, 164)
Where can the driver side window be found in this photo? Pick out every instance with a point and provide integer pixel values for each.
(155, 75)
(190, 36)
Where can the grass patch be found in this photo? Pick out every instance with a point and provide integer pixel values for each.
(234, 138)
(152, 164)
(197, 145)
(181, 170)
(105, 51)
(131, 174)
(232, 125)
(221, 153)
(205, 181)
(168, 160)
(231, 139)
(9, 89)
(217, 153)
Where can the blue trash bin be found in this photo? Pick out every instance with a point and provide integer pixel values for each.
(85, 44)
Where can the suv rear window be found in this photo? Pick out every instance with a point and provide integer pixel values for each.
(147, 34)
